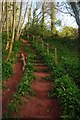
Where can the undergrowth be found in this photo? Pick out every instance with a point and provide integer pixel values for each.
(24, 87)
(69, 96)
(66, 78)
(7, 67)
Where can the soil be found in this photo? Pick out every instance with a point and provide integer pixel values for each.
(11, 84)
(38, 106)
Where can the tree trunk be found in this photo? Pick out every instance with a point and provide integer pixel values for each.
(6, 20)
(33, 21)
(52, 16)
(23, 21)
(10, 18)
(18, 27)
(43, 13)
(79, 41)
(13, 32)
(2, 18)
(29, 16)
(7, 41)
(78, 32)
(76, 13)
(11, 23)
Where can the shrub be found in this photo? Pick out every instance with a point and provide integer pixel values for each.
(7, 70)
(25, 85)
(16, 46)
(71, 66)
(69, 96)
(63, 75)
(58, 71)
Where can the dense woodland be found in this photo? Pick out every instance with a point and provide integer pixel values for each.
(59, 49)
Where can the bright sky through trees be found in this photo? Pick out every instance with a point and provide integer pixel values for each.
(66, 19)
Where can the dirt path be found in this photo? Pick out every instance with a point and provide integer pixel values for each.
(40, 105)
(12, 83)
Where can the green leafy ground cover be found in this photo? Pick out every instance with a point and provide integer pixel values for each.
(7, 68)
(65, 74)
(67, 55)
(24, 87)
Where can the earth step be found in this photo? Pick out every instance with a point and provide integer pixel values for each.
(42, 89)
(37, 57)
(42, 67)
(42, 86)
(39, 64)
(40, 105)
(42, 70)
(40, 108)
(41, 74)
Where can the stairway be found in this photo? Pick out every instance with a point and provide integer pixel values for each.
(40, 105)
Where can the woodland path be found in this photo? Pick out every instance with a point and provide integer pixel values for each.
(40, 105)
(11, 84)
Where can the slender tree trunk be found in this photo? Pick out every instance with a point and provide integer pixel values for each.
(29, 14)
(2, 18)
(43, 13)
(11, 23)
(79, 41)
(34, 14)
(23, 21)
(13, 32)
(7, 41)
(76, 13)
(35, 19)
(79, 32)
(52, 16)
(10, 19)
(18, 27)
(6, 19)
